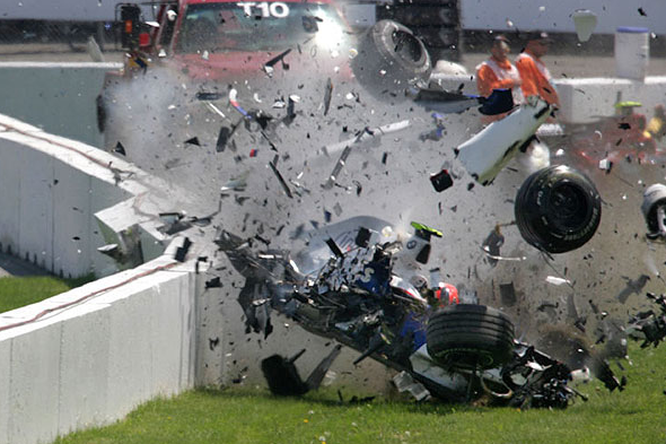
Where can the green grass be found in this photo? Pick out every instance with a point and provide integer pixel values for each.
(18, 292)
(243, 415)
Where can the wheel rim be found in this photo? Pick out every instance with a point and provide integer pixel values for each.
(568, 207)
(407, 46)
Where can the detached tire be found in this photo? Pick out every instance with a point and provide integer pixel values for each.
(470, 336)
(390, 58)
(558, 209)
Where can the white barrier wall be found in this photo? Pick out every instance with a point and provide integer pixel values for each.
(89, 356)
(59, 97)
(56, 190)
(48, 205)
(586, 99)
(93, 363)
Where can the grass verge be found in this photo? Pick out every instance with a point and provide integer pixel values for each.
(18, 292)
(244, 415)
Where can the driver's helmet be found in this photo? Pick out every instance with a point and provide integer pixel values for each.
(447, 294)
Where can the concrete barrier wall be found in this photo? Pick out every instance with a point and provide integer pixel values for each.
(58, 97)
(56, 192)
(94, 362)
(584, 100)
(48, 207)
(89, 356)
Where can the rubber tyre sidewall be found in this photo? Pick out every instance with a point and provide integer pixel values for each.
(470, 336)
(536, 216)
(376, 54)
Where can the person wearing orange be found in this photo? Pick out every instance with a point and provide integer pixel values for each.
(537, 80)
(498, 73)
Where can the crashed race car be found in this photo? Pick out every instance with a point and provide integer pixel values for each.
(359, 282)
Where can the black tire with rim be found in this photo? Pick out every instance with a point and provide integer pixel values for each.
(557, 209)
(470, 336)
(390, 58)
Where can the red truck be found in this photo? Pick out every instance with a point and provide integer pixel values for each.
(213, 42)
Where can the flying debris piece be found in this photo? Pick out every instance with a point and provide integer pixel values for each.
(283, 378)
(334, 247)
(279, 58)
(214, 283)
(181, 252)
(605, 165)
(279, 104)
(585, 21)
(424, 231)
(436, 134)
(310, 24)
(120, 149)
(337, 169)
(642, 12)
(285, 187)
(205, 220)
(405, 383)
(500, 101)
(208, 96)
(486, 153)
(327, 95)
(557, 280)
(384, 158)
(501, 258)
(174, 223)
(291, 112)
(359, 187)
(492, 244)
(367, 134)
(193, 141)
(441, 181)
(363, 237)
(236, 184)
(216, 110)
(222, 139)
(648, 326)
(261, 118)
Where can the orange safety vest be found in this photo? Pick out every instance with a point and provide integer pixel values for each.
(491, 75)
(536, 79)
